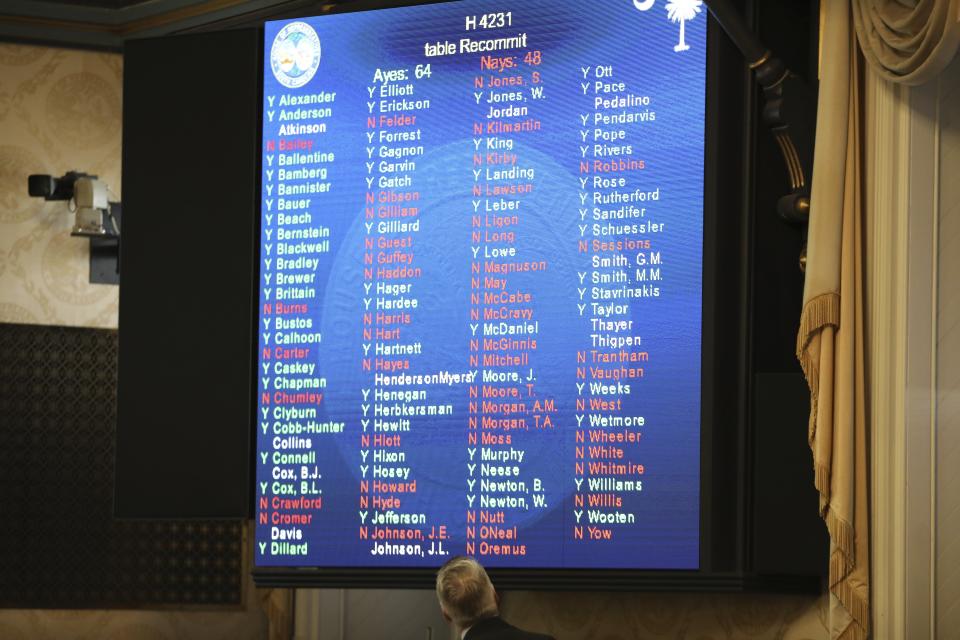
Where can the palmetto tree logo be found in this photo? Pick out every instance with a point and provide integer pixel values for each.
(681, 11)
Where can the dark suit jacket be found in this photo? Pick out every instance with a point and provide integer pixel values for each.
(497, 629)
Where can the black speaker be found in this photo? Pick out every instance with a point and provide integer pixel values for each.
(190, 149)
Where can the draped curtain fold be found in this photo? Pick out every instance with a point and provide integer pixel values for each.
(830, 340)
(909, 41)
(906, 41)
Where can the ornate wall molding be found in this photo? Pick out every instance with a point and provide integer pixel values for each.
(946, 490)
(921, 361)
(887, 145)
(903, 173)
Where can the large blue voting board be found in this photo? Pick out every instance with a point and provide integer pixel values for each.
(480, 287)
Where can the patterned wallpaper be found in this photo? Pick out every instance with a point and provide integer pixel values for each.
(59, 110)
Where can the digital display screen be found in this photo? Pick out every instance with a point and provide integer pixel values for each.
(481, 286)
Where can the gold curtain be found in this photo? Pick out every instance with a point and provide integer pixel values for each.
(908, 41)
(905, 41)
(830, 340)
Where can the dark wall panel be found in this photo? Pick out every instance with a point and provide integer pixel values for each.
(190, 149)
(789, 537)
(60, 546)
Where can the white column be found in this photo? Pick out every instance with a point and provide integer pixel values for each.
(902, 197)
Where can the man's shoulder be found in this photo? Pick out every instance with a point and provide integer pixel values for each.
(499, 629)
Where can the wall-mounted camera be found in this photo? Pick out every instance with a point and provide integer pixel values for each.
(86, 194)
(95, 217)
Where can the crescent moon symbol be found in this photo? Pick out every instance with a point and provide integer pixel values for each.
(643, 5)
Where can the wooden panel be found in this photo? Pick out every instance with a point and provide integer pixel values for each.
(947, 530)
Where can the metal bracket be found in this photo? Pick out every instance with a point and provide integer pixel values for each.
(105, 254)
(778, 83)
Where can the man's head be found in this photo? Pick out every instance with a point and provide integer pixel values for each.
(465, 592)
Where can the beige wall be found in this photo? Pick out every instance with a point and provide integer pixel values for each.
(59, 110)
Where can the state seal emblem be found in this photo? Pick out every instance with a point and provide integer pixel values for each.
(295, 55)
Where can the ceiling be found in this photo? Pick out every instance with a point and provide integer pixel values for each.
(103, 4)
(107, 24)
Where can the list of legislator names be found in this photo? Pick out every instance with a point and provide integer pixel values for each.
(480, 286)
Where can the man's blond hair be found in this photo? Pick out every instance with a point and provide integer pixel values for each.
(465, 592)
